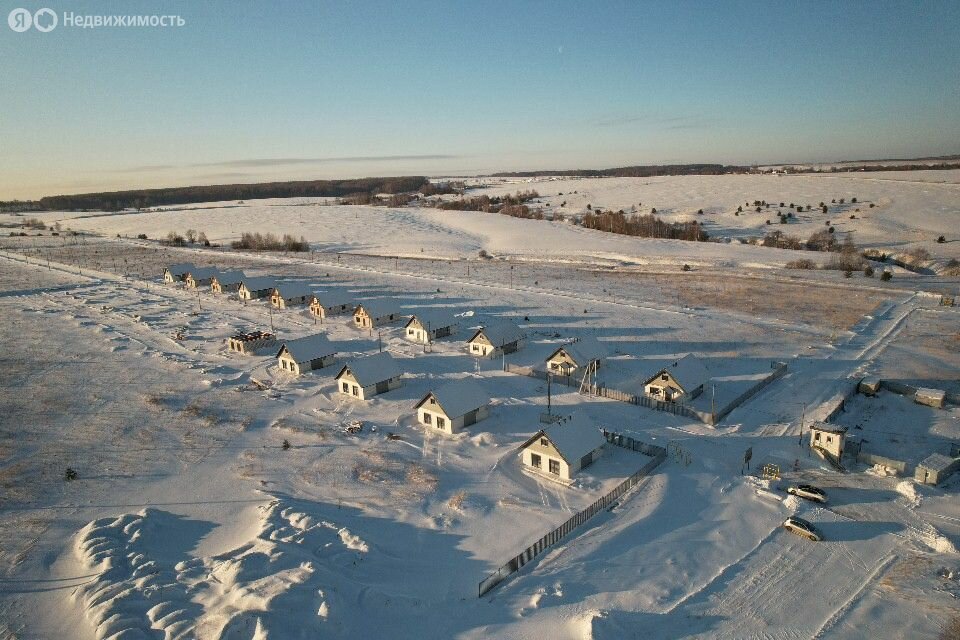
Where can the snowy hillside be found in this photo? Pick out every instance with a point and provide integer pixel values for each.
(218, 496)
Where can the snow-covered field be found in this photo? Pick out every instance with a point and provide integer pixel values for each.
(190, 518)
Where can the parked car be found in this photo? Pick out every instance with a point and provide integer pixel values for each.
(808, 492)
(801, 527)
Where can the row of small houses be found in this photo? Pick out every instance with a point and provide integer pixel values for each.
(558, 451)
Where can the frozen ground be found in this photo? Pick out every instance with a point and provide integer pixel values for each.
(190, 519)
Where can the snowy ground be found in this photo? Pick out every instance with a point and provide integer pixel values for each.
(189, 519)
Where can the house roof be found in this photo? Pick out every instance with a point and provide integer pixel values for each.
(584, 351)
(309, 347)
(688, 371)
(294, 289)
(937, 462)
(828, 428)
(379, 308)
(230, 277)
(499, 333)
(199, 273)
(333, 298)
(372, 369)
(459, 397)
(259, 283)
(434, 318)
(573, 437)
(180, 269)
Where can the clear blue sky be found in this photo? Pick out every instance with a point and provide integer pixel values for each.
(248, 90)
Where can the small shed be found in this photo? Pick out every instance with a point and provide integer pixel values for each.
(494, 338)
(306, 354)
(935, 398)
(330, 303)
(579, 354)
(684, 379)
(936, 468)
(255, 288)
(431, 324)
(250, 343)
(366, 377)
(200, 276)
(177, 272)
(564, 448)
(374, 313)
(829, 438)
(226, 281)
(290, 294)
(454, 406)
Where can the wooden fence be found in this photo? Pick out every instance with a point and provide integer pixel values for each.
(658, 455)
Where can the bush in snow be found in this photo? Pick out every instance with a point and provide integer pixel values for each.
(886, 276)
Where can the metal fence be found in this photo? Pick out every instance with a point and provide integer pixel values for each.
(513, 565)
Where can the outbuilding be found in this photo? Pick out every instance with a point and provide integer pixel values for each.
(374, 313)
(426, 326)
(250, 343)
(367, 377)
(828, 438)
(306, 354)
(289, 294)
(226, 281)
(330, 303)
(255, 288)
(564, 448)
(453, 406)
(501, 336)
(580, 354)
(684, 379)
(935, 468)
(177, 272)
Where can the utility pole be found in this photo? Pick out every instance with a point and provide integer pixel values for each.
(549, 395)
(803, 415)
(199, 306)
(272, 330)
(380, 340)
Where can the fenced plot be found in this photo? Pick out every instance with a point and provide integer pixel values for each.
(778, 370)
(658, 455)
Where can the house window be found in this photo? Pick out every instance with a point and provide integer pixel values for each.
(427, 418)
(536, 461)
(544, 442)
(555, 467)
(441, 423)
(283, 364)
(346, 387)
(829, 439)
(433, 401)
(410, 332)
(475, 347)
(816, 436)
(664, 377)
(356, 390)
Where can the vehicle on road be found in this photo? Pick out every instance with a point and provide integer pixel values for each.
(801, 527)
(808, 492)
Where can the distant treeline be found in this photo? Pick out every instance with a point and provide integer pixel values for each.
(143, 198)
(875, 167)
(644, 226)
(639, 171)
